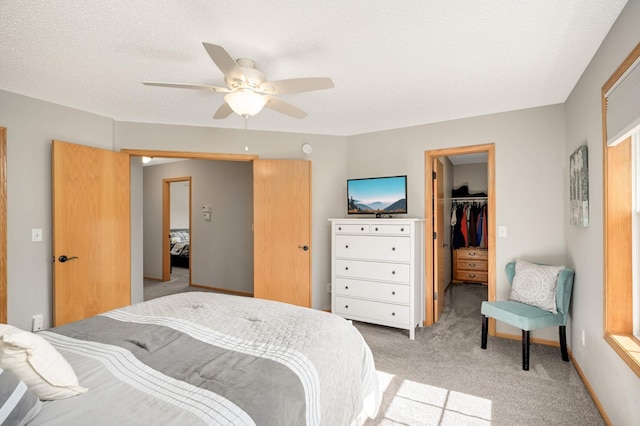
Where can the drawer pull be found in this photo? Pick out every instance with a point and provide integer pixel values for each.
(339, 228)
(472, 265)
(472, 253)
(346, 268)
(393, 314)
(401, 229)
(346, 306)
(472, 275)
(346, 246)
(393, 293)
(376, 229)
(393, 249)
(393, 272)
(346, 287)
(362, 229)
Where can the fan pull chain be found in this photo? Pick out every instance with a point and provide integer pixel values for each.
(246, 120)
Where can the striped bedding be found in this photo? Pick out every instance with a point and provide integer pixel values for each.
(207, 358)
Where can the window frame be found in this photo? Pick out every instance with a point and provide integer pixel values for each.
(619, 235)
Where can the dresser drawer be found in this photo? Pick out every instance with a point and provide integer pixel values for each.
(367, 309)
(352, 228)
(384, 292)
(471, 254)
(471, 276)
(472, 265)
(391, 229)
(373, 247)
(392, 272)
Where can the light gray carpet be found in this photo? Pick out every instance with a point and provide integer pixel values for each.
(179, 283)
(445, 378)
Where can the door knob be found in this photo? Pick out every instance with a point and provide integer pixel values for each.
(64, 258)
(305, 248)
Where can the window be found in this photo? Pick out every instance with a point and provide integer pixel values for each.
(621, 128)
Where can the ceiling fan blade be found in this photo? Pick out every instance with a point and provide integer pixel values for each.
(297, 85)
(225, 62)
(187, 86)
(223, 112)
(284, 107)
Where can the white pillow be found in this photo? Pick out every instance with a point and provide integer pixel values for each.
(535, 285)
(38, 364)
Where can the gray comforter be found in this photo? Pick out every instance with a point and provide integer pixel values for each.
(206, 358)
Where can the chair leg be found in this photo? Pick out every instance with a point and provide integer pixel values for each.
(563, 343)
(485, 326)
(525, 350)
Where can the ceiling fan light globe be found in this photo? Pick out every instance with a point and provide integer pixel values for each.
(245, 103)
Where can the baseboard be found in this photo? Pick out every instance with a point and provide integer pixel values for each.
(587, 385)
(152, 279)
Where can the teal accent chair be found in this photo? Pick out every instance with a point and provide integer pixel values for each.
(527, 317)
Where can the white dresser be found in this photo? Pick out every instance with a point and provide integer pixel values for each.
(377, 271)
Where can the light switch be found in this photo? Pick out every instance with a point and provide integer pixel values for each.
(36, 235)
(502, 231)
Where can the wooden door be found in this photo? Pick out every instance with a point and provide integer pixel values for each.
(91, 226)
(282, 230)
(438, 241)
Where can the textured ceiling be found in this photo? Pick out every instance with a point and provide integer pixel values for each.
(394, 64)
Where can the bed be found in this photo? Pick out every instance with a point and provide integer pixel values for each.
(179, 246)
(208, 358)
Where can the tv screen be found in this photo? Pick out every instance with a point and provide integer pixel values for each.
(378, 195)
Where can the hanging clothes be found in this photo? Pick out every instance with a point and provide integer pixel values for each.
(469, 223)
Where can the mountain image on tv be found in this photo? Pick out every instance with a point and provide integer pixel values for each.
(385, 195)
(399, 206)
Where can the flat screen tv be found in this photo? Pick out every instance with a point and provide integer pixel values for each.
(378, 195)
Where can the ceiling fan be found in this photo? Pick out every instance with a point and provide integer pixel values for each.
(248, 90)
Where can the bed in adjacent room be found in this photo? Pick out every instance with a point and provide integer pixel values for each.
(208, 358)
(179, 246)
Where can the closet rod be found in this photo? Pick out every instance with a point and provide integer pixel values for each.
(467, 199)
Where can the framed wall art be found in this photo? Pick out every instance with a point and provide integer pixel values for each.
(579, 187)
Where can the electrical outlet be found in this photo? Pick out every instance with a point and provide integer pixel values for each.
(37, 322)
(328, 287)
(583, 339)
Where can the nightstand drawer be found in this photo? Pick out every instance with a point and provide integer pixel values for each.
(396, 249)
(392, 272)
(384, 292)
(385, 312)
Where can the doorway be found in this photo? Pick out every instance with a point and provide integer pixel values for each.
(435, 202)
(176, 224)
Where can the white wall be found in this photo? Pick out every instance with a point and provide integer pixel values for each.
(615, 384)
(530, 166)
(31, 126)
(179, 204)
(473, 175)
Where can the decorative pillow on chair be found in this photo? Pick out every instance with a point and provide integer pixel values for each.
(18, 405)
(535, 285)
(37, 363)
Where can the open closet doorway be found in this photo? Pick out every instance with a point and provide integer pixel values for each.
(176, 224)
(472, 189)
